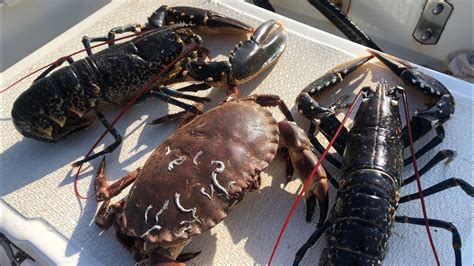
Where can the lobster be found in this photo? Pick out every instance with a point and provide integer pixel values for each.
(190, 182)
(55, 105)
(361, 221)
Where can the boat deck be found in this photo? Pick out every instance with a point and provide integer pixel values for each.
(42, 215)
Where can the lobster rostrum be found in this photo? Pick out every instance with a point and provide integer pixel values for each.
(362, 218)
(191, 180)
(56, 104)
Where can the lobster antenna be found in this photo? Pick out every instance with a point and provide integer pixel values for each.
(311, 176)
(64, 57)
(145, 89)
(417, 174)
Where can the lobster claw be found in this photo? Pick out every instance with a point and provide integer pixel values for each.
(435, 115)
(262, 50)
(246, 61)
(204, 19)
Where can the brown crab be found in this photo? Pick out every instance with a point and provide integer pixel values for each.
(190, 181)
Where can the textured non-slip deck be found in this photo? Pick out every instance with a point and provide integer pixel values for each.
(37, 179)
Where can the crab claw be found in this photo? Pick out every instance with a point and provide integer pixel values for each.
(246, 61)
(204, 19)
(304, 160)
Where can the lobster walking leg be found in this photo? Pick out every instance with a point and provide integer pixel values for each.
(430, 145)
(114, 132)
(110, 38)
(53, 66)
(440, 224)
(446, 184)
(439, 157)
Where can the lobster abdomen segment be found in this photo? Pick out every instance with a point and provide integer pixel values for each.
(363, 217)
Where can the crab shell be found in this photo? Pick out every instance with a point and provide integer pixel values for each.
(241, 135)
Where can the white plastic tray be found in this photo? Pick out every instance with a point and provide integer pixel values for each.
(40, 212)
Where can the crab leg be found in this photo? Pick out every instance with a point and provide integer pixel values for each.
(105, 191)
(304, 160)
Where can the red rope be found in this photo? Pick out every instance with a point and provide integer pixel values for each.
(418, 182)
(311, 176)
(145, 89)
(64, 57)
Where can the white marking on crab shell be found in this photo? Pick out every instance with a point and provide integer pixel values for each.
(181, 208)
(319, 87)
(413, 81)
(178, 161)
(438, 93)
(220, 168)
(327, 83)
(156, 226)
(422, 85)
(146, 212)
(191, 16)
(231, 184)
(212, 190)
(168, 150)
(203, 191)
(312, 107)
(432, 90)
(300, 111)
(345, 71)
(312, 90)
(183, 230)
(440, 104)
(163, 208)
(219, 186)
(196, 157)
(334, 80)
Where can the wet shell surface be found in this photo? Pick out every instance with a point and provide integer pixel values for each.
(190, 181)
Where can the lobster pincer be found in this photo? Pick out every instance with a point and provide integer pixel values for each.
(423, 120)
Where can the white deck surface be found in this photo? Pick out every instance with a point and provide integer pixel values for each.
(38, 201)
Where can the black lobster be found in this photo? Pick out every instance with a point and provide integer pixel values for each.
(368, 195)
(55, 105)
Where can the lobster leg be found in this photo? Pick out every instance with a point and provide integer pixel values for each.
(114, 132)
(325, 117)
(178, 94)
(446, 184)
(110, 38)
(167, 98)
(320, 148)
(439, 224)
(59, 62)
(439, 157)
(195, 87)
(311, 241)
(430, 145)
